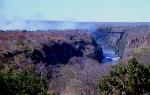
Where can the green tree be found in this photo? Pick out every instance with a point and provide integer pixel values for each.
(130, 79)
(22, 82)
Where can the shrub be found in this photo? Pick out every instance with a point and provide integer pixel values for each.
(142, 54)
(130, 79)
(22, 82)
(79, 76)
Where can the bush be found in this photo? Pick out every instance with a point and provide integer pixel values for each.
(142, 54)
(22, 82)
(79, 76)
(130, 79)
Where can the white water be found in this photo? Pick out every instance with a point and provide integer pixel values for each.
(110, 56)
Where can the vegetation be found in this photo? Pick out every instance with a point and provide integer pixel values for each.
(22, 82)
(130, 79)
(67, 63)
(79, 76)
(37, 63)
(142, 55)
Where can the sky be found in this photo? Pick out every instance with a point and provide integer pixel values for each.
(76, 10)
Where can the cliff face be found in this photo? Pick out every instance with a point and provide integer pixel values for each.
(108, 36)
(124, 39)
(136, 37)
(49, 47)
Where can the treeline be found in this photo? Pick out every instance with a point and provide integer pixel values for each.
(26, 67)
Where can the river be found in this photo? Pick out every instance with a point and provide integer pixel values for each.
(110, 56)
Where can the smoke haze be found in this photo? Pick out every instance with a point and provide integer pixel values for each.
(44, 25)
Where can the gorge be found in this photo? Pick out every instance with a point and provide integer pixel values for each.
(112, 36)
(72, 60)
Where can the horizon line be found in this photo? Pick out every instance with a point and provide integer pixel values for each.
(81, 21)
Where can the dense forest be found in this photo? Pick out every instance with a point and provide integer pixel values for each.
(70, 62)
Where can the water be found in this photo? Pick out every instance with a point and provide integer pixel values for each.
(110, 56)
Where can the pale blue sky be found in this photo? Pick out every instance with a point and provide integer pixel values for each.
(76, 10)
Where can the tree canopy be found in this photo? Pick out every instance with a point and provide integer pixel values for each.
(127, 79)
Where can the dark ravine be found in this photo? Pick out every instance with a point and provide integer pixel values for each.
(109, 38)
(136, 37)
(123, 44)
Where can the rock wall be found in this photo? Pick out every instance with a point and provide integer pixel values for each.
(123, 44)
(137, 37)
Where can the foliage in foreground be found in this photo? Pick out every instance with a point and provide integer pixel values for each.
(21, 82)
(142, 54)
(131, 79)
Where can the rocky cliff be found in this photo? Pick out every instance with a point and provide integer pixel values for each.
(124, 44)
(136, 37)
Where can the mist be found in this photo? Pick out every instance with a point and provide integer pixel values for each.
(45, 25)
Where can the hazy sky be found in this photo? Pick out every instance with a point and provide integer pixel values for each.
(76, 10)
